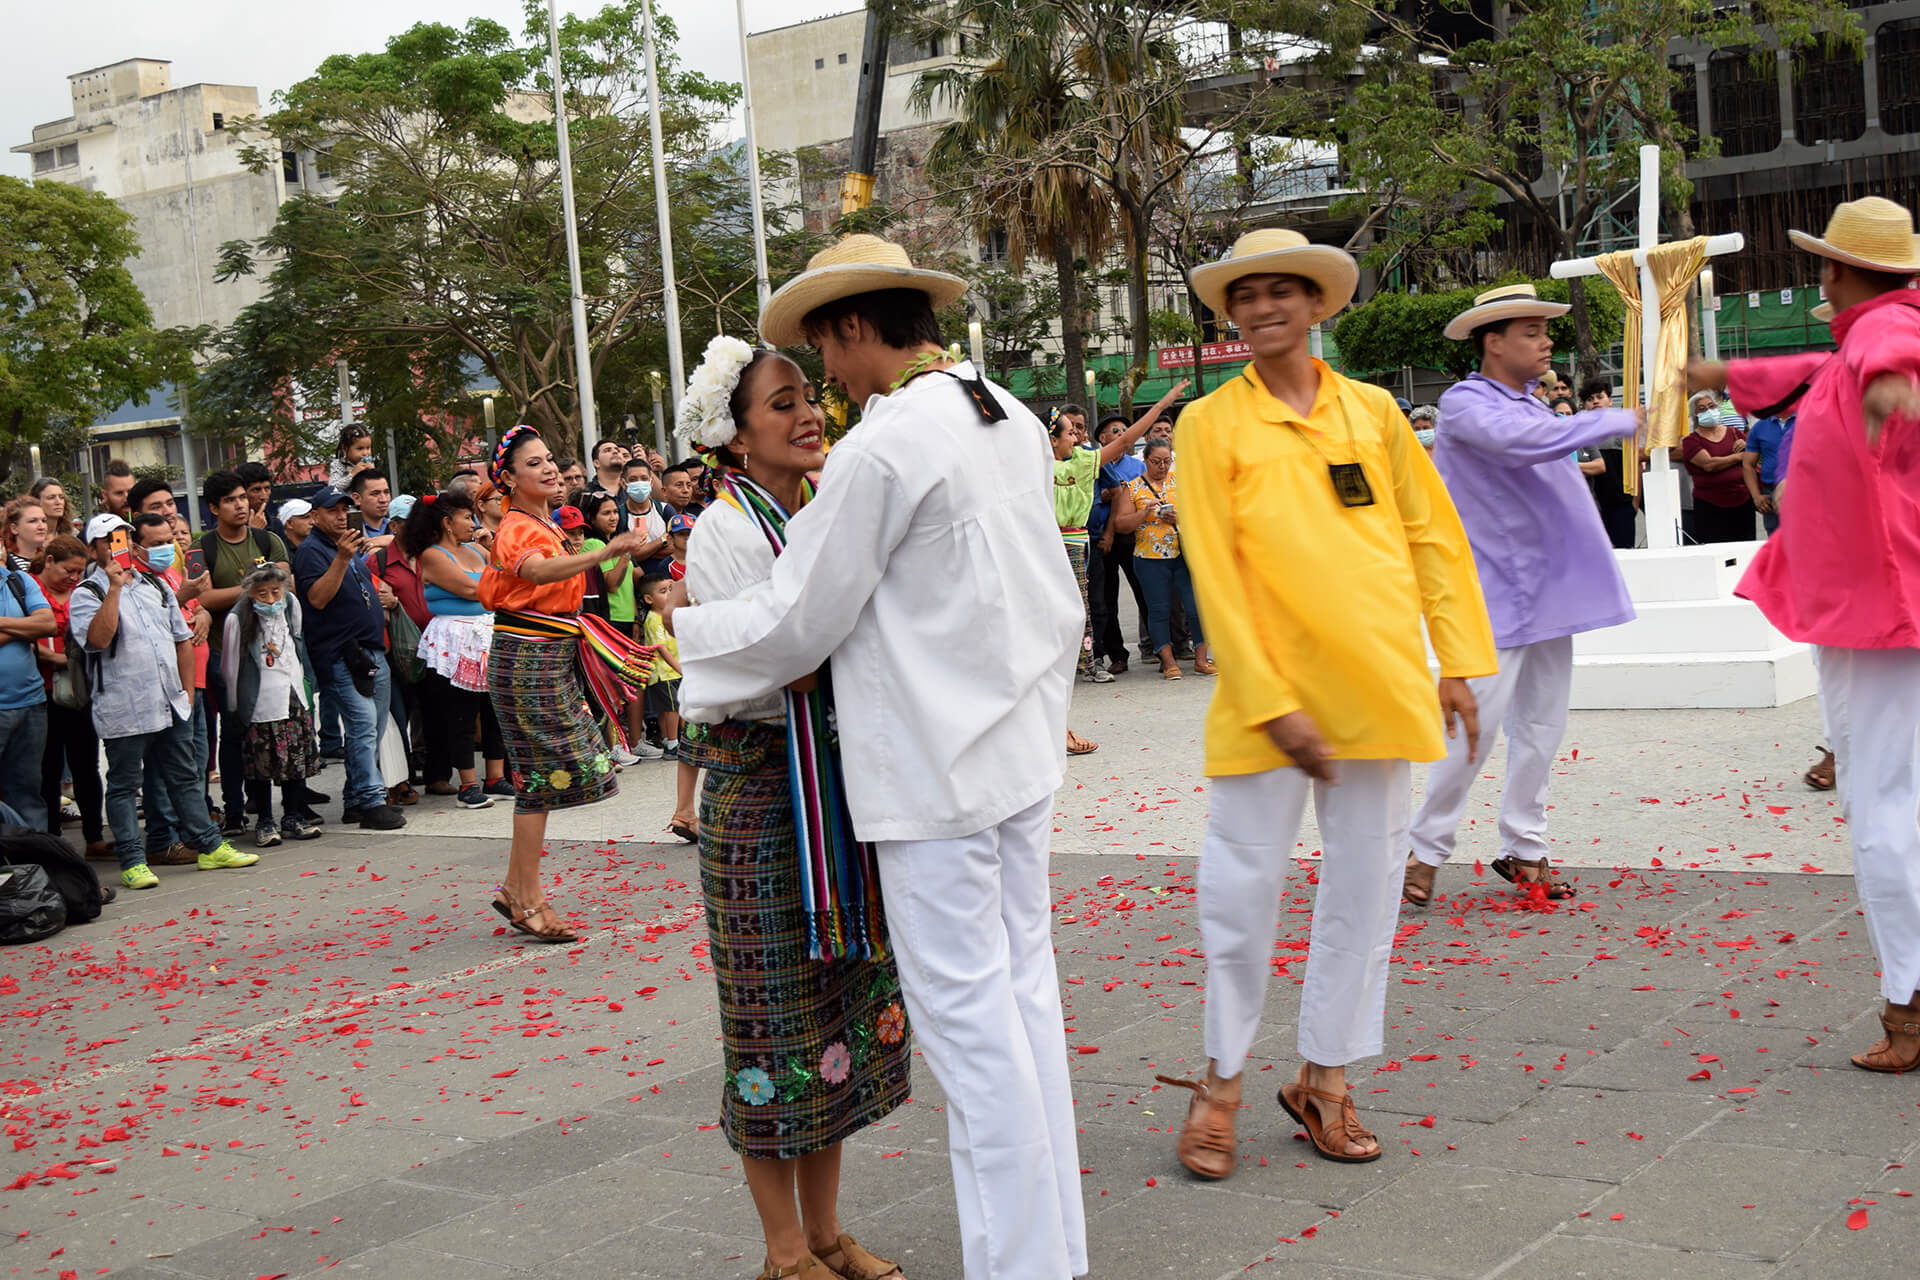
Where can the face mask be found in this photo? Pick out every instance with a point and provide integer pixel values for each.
(160, 558)
(269, 610)
(640, 490)
(1706, 417)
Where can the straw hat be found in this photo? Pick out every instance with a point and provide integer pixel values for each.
(1823, 313)
(1871, 233)
(1508, 302)
(857, 264)
(1275, 251)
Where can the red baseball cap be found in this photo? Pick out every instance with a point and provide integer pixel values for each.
(569, 517)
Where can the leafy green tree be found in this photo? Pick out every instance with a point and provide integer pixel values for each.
(1399, 330)
(441, 259)
(1542, 112)
(76, 336)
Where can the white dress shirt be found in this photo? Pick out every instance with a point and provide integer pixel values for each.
(726, 555)
(929, 568)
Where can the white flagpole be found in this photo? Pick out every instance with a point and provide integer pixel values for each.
(765, 287)
(676, 361)
(582, 361)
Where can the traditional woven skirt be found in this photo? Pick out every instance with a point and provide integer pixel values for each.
(814, 1051)
(281, 750)
(557, 755)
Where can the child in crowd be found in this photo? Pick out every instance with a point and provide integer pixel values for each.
(264, 663)
(678, 530)
(663, 690)
(573, 528)
(351, 456)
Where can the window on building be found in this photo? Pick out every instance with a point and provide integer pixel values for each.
(933, 47)
(819, 64)
(43, 160)
(219, 121)
(843, 59)
(1686, 102)
(1829, 96)
(993, 246)
(963, 44)
(1745, 103)
(322, 165)
(290, 168)
(69, 155)
(1897, 45)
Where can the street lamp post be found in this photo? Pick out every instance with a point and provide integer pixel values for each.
(659, 412)
(582, 361)
(676, 363)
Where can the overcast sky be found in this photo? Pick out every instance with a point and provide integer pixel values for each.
(245, 42)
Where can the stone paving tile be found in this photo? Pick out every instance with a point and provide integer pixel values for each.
(1698, 1197)
(658, 1253)
(151, 1231)
(396, 1261)
(1603, 1136)
(1576, 1258)
(554, 1218)
(542, 1154)
(1882, 1245)
(336, 1227)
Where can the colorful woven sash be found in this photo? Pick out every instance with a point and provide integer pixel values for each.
(613, 667)
(839, 878)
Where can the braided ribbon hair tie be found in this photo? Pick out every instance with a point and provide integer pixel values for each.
(498, 466)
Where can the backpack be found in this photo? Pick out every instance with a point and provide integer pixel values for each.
(30, 907)
(76, 883)
(262, 545)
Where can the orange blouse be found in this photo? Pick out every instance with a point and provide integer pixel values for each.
(520, 536)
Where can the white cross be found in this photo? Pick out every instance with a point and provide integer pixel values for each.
(1661, 487)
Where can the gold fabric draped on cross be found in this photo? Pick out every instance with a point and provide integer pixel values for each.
(1674, 268)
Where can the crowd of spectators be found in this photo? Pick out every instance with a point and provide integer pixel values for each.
(177, 697)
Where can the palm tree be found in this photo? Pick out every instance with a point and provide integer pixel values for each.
(1017, 95)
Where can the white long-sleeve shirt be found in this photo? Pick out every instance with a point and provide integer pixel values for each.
(930, 569)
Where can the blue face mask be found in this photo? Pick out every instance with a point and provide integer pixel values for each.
(262, 607)
(640, 490)
(160, 558)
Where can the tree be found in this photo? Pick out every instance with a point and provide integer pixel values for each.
(76, 336)
(442, 258)
(1543, 112)
(1399, 330)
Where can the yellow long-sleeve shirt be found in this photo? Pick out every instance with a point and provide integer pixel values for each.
(1312, 605)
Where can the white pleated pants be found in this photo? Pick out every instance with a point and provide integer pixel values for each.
(1871, 701)
(1251, 829)
(971, 926)
(1527, 700)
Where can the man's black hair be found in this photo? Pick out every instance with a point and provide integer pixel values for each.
(1479, 336)
(680, 468)
(636, 461)
(144, 490)
(118, 468)
(648, 581)
(902, 318)
(1595, 387)
(219, 485)
(361, 479)
(252, 473)
(146, 520)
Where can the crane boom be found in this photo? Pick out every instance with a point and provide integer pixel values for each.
(856, 187)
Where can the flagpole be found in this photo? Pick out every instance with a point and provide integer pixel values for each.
(582, 361)
(762, 281)
(676, 361)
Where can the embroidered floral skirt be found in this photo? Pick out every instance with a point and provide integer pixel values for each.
(557, 755)
(814, 1051)
(281, 750)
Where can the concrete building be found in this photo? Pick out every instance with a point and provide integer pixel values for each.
(168, 157)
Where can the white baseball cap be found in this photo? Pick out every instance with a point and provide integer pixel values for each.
(103, 525)
(295, 507)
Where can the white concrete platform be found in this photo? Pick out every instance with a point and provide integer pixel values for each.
(1694, 643)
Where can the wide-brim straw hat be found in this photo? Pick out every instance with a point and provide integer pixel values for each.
(1275, 251)
(1824, 313)
(1508, 302)
(1871, 233)
(857, 264)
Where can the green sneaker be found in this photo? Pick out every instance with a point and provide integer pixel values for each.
(226, 856)
(139, 877)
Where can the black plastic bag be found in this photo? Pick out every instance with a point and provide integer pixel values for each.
(70, 873)
(30, 907)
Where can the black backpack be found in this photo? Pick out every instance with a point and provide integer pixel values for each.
(30, 908)
(76, 883)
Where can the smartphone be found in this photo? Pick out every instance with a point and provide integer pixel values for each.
(356, 522)
(196, 562)
(120, 547)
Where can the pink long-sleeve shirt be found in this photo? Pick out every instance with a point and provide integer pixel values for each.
(1844, 568)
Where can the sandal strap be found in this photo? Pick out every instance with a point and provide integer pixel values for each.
(860, 1263)
(1899, 1028)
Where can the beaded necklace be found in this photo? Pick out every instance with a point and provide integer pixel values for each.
(923, 363)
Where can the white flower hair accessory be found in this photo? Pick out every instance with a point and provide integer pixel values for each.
(704, 417)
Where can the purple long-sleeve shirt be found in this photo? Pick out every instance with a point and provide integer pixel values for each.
(1546, 565)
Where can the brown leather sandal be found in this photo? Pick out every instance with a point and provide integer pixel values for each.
(857, 1263)
(1330, 1141)
(1510, 870)
(1882, 1057)
(518, 916)
(1079, 746)
(1206, 1145)
(1417, 887)
(808, 1268)
(1821, 776)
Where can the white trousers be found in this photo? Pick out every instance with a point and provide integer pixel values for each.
(1871, 701)
(1527, 699)
(971, 925)
(1251, 828)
